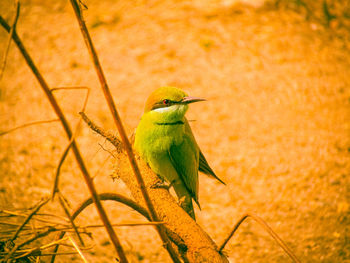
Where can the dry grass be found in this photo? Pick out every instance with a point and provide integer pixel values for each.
(276, 126)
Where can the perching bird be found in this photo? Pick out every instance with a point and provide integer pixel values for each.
(165, 141)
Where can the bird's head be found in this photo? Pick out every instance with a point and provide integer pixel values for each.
(169, 103)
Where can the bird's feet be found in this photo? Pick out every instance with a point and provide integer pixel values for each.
(162, 184)
(182, 201)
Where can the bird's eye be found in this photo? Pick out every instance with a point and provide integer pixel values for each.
(165, 101)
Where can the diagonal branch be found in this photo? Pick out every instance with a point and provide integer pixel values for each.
(109, 136)
(121, 130)
(68, 130)
(13, 29)
(193, 243)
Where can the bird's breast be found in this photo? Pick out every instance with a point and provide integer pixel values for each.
(161, 137)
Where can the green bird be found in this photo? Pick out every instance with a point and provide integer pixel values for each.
(165, 141)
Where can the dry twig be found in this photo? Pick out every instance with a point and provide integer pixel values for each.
(65, 152)
(35, 210)
(121, 129)
(103, 197)
(65, 208)
(77, 249)
(267, 228)
(26, 125)
(68, 131)
(109, 136)
(13, 29)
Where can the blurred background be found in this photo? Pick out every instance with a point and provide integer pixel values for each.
(275, 127)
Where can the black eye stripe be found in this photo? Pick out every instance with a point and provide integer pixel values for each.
(164, 103)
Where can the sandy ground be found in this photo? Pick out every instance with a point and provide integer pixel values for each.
(275, 127)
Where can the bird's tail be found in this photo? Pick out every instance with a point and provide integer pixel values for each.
(185, 199)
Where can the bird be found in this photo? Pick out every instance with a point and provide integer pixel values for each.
(164, 140)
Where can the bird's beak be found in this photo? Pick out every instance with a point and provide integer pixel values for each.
(188, 100)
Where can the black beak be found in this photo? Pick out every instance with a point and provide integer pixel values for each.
(188, 100)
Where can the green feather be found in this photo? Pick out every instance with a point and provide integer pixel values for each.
(165, 141)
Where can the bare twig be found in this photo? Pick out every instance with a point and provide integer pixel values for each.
(113, 197)
(65, 153)
(103, 197)
(26, 125)
(103, 148)
(109, 137)
(26, 242)
(12, 213)
(67, 128)
(35, 210)
(65, 208)
(58, 170)
(121, 129)
(127, 224)
(13, 29)
(77, 249)
(267, 228)
(37, 250)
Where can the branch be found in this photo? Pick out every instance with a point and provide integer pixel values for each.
(109, 136)
(65, 208)
(103, 197)
(26, 125)
(35, 210)
(121, 130)
(65, 153)
(68, 130)
(267, 228)
(13, 29)
(198, 246)
(194, 244)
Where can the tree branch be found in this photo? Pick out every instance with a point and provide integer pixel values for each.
(68, 131)
(194, 244)
(121, 130)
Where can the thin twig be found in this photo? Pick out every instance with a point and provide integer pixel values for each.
(12, 213)
(58, 170)
(65, 208)
(65, 153)
(77, 249)
(68, 130)
(26, 242)
(127, 224)
(56, 188)
(26, 125)
(27, 252)
(103, 148)
(121, 130)
(13, 29)
(109, 136)
(267, 228)
(104, 197)
(101, 166)
(35, 210)
(81, 229)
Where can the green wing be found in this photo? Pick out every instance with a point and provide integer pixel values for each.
(185, 158)
(205, 168)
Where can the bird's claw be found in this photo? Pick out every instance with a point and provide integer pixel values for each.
(181, 201)
(161, 185)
